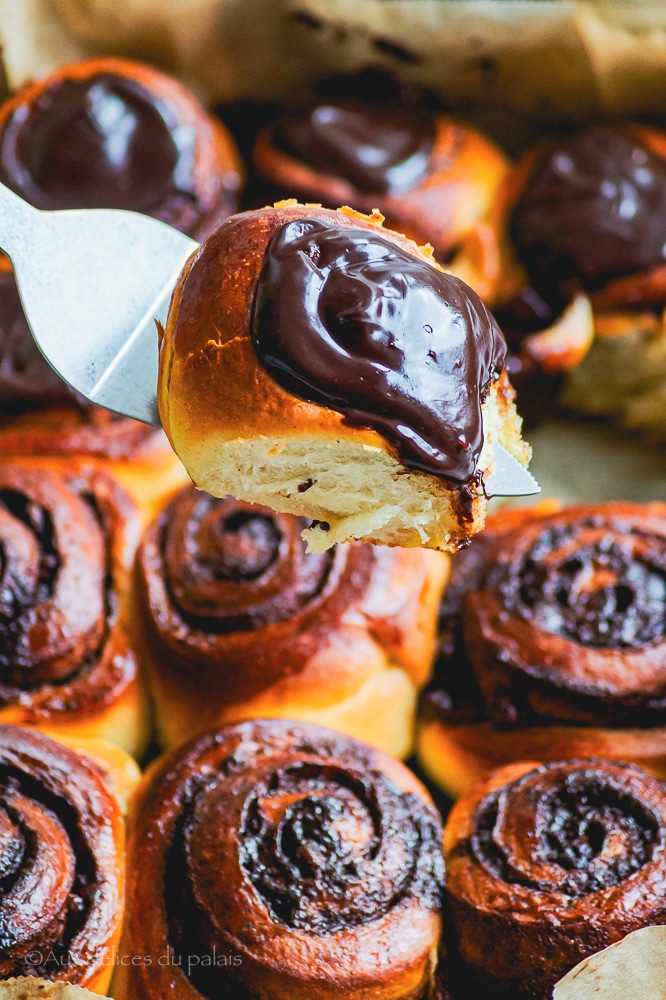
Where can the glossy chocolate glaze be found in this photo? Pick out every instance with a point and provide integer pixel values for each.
(350, 320)
(594, 208)
(101, 142)
(377, 149)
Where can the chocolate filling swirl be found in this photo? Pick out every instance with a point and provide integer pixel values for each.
(563, 618)
(319, 859)
(568, 830)
(231, 566)
(232, 594)
(559, 860)
(62, 645)
(61, 895)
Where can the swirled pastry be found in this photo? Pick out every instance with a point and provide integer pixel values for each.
(244, 622)
(67, 654)
(553, 644)
(62, 837)
(547, 865)
(323, 366)
(281, 859)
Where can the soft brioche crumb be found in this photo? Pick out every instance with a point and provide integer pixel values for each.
(354, 490)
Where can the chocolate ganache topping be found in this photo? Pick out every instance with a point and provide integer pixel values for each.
(378, 149)
(351, 320)
(594, 208)
(101, 142)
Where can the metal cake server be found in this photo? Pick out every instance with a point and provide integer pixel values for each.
(92, 283)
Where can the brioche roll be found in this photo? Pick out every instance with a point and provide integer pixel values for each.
(547, 864)
(67, 653)
(552, 644)
(242, 622)
(63, 860)
(242, 416)
(432, 178)
(274, 858)
(585, 220)
(105, 133)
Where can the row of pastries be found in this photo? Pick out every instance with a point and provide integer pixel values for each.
(273, 857)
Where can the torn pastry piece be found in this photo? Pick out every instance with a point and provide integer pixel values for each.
(324, 366)
(432, 177)
(585, 221)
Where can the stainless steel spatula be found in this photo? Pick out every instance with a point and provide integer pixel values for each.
(93, 282)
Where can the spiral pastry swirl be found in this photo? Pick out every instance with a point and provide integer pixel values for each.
(563, 619)
(235, 600)
(62, 867)
(327, 869)
(66, 544)
(558, 861)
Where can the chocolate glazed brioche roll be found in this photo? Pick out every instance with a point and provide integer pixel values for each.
(585, 221)
(433, 178)
(63, 864)
(105, 133)
(273, 858)
(243, 622)
(553, 644)
(546, 865)
(324, 366)
(67, 657)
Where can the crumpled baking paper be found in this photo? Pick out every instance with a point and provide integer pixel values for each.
(632, 969)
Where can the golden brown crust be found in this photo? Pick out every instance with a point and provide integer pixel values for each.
(233, 600)
(360, 918)
(68, 661)
(64, 862)
(547, 865)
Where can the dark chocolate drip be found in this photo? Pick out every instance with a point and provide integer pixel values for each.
(572, 833)
(101, 142)
(608, 592)
(234, 567)
(377, 149)
(348, 319)
(594, 208)
(27, 381)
